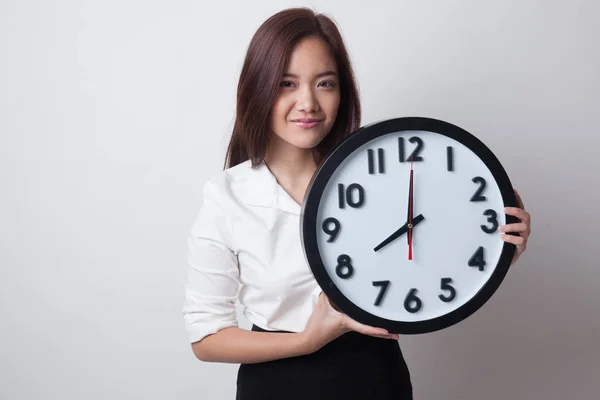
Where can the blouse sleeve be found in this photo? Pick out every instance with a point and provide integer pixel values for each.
(213, 273)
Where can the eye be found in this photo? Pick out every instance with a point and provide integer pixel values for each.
(286, 84)
(327, 84)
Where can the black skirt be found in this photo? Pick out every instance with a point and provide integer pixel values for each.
(351, 367)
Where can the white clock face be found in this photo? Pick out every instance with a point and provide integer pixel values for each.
(457, 206)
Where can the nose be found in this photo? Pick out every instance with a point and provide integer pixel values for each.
(307, 101)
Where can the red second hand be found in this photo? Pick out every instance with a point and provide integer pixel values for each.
(410, 227)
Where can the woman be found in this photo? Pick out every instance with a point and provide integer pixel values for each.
(297, 100)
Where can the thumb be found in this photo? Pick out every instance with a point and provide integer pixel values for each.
(331, 304)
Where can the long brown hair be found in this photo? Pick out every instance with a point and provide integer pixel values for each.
(266, 58)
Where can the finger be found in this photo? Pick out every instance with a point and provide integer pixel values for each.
(519, 200)
(517, 227)
(519, 213)
(393, 336)
(516, 240)
(364, 329)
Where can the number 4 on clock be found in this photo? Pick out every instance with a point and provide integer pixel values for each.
(478, 260)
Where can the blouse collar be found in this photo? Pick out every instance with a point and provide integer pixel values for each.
(263, 190)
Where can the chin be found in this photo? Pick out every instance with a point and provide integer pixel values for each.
(307, 142)
(304, 144)
(313, 136)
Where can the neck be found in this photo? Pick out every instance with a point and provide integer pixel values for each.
(291, 165)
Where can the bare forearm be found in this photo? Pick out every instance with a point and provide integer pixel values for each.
(235, 345)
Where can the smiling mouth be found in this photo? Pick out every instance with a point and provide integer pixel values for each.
(306, 122)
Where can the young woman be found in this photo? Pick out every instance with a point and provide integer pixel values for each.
(296, 100)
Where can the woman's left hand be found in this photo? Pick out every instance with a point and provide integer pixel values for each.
(523, 228)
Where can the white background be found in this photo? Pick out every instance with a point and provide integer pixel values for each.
(113, 114)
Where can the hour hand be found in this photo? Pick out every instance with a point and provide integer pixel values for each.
(403, 229)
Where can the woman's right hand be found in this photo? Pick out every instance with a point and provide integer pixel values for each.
(326, 324)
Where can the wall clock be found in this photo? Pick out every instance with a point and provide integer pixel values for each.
(399, 225)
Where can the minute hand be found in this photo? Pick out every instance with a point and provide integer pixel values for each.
(403, 229)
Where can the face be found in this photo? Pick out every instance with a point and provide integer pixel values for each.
(307, 103)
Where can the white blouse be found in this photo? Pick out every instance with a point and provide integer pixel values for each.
(245, 245)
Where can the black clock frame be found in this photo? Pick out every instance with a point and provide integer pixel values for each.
(310, 206)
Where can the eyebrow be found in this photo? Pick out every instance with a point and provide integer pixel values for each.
(322, 74)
